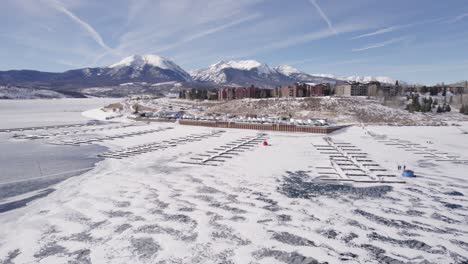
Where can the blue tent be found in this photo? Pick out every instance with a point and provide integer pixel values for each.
(408, 173)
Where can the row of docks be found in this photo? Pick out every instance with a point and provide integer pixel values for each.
(91, 140)
(229, 150)
(22, 129)
(267, 127)
(160, 145)
(418, 149)
(349, 163)
(70, 132)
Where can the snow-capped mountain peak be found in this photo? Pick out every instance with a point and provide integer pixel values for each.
(138, 61)
(137, 66)
(368, 79)
(287, 70)
(243, 65)
(243, 72)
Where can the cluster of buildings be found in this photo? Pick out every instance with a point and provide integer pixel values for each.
(310, 90)
(367, 89)
(295, 90)
(231, 93)
(304, 90)
(371, 89)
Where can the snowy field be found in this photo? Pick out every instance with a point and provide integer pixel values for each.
(165, 194)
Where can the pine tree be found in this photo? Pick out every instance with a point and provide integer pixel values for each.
(448, 108)
(416, 104)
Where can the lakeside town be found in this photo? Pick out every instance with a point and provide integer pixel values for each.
(371, 89)
(225, 132)
(303, 105)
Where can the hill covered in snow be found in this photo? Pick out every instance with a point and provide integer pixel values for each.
(242, 73)
(154, 69)
(136, 68)
(344, 110)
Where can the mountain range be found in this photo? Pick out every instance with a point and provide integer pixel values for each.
(153, 69)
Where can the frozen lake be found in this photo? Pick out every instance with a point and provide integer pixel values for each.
(29, 113)
(32, 165)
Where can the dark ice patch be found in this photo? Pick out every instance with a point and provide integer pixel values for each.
(264, 221)
(82, 237)
(414, 213)
(177, 234)
(186, 209)
(284, 217)
(230, 236)
(94, 225)
(294, 185)
(444, 218)
(145, 247)
(237, 218)
(23, 202)
(157, 229)
(11, 256)
(204, 198)
(379, 254)
(122, 203)
(359, 225)
(290, 239)
(272, 205)
(160, 204)
(348, 238)
(179, 218)
(393, 222)
(119, 214)
(50, 250)
(81, 257)
(233, 209)
(285, 257)
(460, 243)
(347, 256)
(410, 243)
(207, 189)
(454, 193)
(122, 228)
(415, 190)
(328, 233)
(452, 206)
(392, 211)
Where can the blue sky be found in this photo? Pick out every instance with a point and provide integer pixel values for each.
(423, 41)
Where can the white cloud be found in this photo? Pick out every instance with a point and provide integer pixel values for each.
(458, 18)
(304, 38)
(395, 28)
(378, 32)
(323, 15)
(209, 32)
(81, 23)
(381, 44)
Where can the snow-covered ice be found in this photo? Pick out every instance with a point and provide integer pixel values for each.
(261, 205)
(40, 112)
